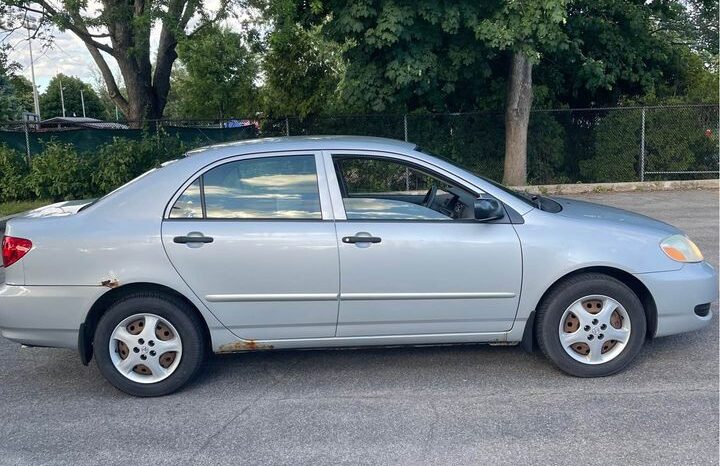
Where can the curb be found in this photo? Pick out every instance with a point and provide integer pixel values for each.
(582, 188)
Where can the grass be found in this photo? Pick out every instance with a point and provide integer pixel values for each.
(9, 208)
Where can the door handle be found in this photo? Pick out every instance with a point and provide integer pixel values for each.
(193, 239)
(361, 239)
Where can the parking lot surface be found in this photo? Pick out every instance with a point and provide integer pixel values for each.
(439, 405)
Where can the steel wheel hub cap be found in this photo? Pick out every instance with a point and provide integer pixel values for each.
(594, 329)
(145, 348)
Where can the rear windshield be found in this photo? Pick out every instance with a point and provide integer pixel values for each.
(134, 180)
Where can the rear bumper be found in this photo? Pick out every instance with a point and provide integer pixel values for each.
(677, 293)
(45, 315)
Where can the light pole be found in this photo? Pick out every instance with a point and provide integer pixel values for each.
(31, 24)
(62, 97)
(82, 102)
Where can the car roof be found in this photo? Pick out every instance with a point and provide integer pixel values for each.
(302, 143)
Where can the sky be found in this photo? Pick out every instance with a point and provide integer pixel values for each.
(68, 54)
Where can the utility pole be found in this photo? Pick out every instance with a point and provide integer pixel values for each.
(30, 23)
(82, 101)
(62, 97)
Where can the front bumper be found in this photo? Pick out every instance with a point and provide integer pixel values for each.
(45, 315)
(676, 294)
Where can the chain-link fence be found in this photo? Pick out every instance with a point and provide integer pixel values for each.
(564, 146)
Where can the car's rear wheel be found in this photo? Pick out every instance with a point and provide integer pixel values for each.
(591, 325)
(149, 344)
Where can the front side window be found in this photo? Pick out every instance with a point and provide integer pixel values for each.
(385, 189)
(264, 188)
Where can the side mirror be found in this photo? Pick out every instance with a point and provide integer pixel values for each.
(488, 209)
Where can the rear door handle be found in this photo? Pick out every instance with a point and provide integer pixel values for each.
(193, 239)
(361, 239)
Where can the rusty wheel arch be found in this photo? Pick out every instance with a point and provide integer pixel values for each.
(117, 293)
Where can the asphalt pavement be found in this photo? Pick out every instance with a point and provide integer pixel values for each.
(439, 405)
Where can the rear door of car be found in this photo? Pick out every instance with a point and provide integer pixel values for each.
(253, 237)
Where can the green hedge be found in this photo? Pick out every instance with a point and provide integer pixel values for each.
(59, 172)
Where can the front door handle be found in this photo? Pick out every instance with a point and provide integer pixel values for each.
(361, 239)
(192, 239)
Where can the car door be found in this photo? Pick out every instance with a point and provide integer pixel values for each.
(254, 238)
(411, 266)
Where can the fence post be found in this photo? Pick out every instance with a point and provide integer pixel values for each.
(407, 170)
(287, 126)
(642, 146)
(158, 129)
(26, 126)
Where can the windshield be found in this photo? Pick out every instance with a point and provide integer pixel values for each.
(525, 197)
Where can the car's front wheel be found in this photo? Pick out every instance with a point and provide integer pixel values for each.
(149, 344)
(591, 325)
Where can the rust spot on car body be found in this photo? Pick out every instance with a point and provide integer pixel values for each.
(243, 345)
(110, 283)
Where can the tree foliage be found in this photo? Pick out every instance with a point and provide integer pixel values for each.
(437, 56)
(216, 78)
(617, 49)
(51, 104)
(302, 72)
(404, 55)
(11, 91)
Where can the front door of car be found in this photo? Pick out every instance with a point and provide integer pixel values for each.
(254, 239)
(413, 260)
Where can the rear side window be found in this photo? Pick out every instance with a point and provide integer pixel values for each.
(189, 205)
(264, 188)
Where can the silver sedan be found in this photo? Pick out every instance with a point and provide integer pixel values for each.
(336, 242)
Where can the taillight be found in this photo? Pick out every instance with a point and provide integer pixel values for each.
(13, 249)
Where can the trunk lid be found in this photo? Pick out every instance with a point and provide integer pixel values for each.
(58, 209)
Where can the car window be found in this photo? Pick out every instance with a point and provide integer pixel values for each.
(528, 199)
(282, 187)
(386, 189)
(189, 204)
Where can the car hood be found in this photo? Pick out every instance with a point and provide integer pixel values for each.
(573, 208)
(58, 209)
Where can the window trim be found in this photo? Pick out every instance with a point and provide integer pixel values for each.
(202, 196)
(323, 195)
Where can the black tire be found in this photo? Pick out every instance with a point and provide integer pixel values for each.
(175, 311)
(567, 292)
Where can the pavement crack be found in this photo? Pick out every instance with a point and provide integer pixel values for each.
(253, 402)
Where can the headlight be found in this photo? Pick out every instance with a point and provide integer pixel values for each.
(680, 248)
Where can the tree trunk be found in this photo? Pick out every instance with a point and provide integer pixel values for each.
(142, 100)
(517, 117)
